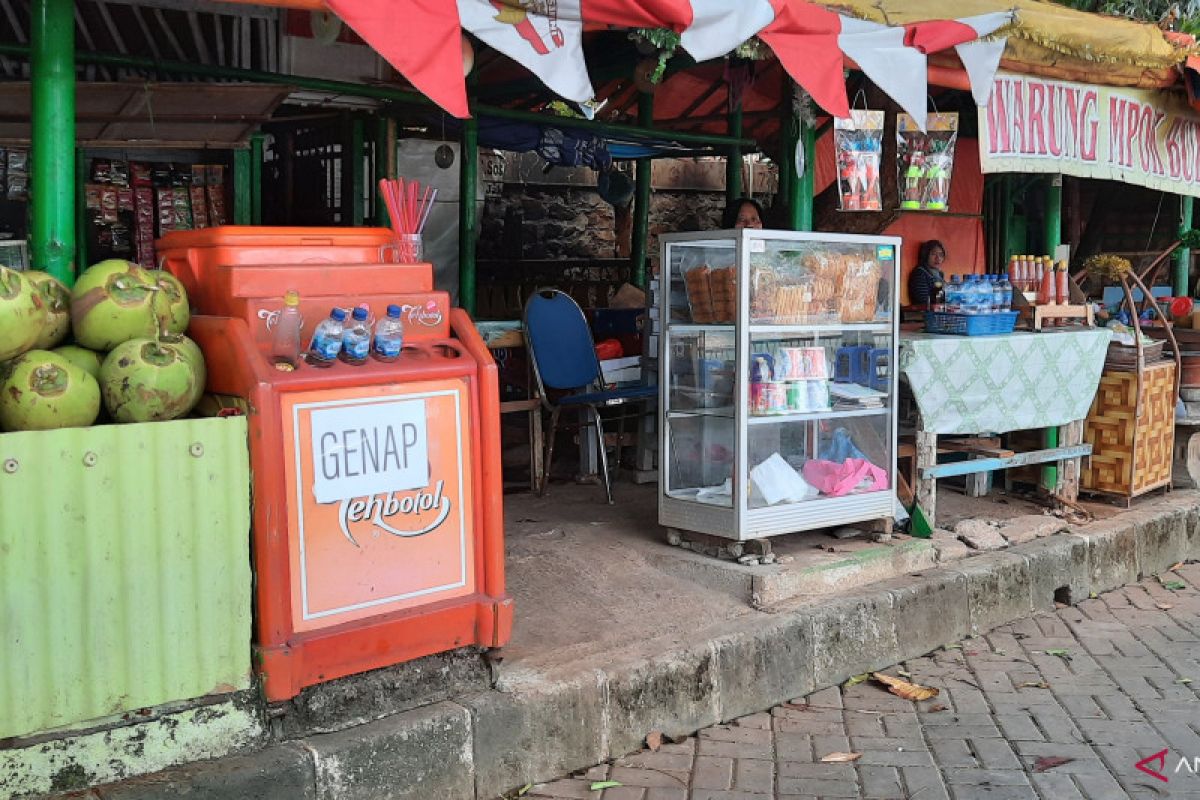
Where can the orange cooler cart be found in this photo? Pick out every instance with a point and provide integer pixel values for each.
(378, 529)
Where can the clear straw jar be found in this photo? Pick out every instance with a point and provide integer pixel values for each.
(406, 248)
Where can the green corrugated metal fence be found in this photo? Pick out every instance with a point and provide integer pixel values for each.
(124, 569)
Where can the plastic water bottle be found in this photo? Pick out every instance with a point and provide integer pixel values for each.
(356, 338)
(1005, 293)
(389, 336)
(967, 305)
(285, 336)
(327, 339)
(954, 295)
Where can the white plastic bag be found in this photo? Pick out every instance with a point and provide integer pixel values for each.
(776, 481)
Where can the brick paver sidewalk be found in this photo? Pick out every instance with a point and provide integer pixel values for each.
(1105, 684)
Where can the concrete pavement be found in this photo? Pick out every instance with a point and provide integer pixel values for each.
(1102, 685)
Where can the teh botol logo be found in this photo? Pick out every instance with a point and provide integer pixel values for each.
(373, 462)
(1155, 765)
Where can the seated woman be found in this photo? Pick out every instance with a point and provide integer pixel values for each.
(745, 212)
(928, 272)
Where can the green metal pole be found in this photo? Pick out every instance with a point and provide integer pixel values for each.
(468, 171)
(804, 185)
(52, 157)
(1183, 256)
(81, 247)
(641, 201)
(1053, 238)
(256, 163)
(381, 161)
(733, 160)
(241, 186)
(358, 173)
(785, 163)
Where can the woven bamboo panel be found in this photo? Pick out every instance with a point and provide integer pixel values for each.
(1131, 452)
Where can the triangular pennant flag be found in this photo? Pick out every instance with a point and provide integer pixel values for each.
(804, 37)
(673, 14)
(423, 41)
(900, 71)
(936, 35)
(718, 26)
(981, 60)
(550, 45)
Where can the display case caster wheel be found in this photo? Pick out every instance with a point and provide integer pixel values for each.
(674, 537)
(736, 550)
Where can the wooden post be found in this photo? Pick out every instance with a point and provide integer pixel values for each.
(926, 488)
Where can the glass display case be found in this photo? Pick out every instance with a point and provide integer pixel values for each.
(778, 381)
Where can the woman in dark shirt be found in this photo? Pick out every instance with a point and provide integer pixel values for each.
(922, 280)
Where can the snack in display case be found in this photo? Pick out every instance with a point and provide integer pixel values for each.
(815, 288)
(712, 294)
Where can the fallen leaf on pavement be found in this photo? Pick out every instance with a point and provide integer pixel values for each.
(904, 673)
(1184, 681)
(902, 688)
(936, 708)
(1063, 654)
(856, 680)
(1174, 586)
(841, 758)
(654, 740)
(952, 647)
(1034, 685)
(1050, 762)
(1164, 606)
(600, 786)
(1174, 567)
(524, 790)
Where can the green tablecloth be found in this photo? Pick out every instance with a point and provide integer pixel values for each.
(995, 384)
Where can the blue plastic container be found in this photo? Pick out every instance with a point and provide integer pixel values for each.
(970, 324)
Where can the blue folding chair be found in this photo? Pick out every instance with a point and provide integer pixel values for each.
(564, 360)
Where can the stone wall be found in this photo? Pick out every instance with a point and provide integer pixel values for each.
(535, 222)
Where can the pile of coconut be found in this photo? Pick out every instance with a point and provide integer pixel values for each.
(128, 350)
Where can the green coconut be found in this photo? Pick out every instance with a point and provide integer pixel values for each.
(44, 391)
(57, 298)
(113, 302)
(87, 360)
(192, 354)
(22, 313)
(143, 380)
(172, 302)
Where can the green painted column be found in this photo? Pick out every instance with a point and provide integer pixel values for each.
(81, 248)
(467, 176)
(358, 171)
(733, 160)
(785, 164)
(241, 186)
(1053, 238)
(1183, 256)
(641, 197)
(256, 163)
(803, 187)
(381, 161)
(52, 156)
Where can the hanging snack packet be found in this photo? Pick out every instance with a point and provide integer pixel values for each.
(858, 144)
(925, 161)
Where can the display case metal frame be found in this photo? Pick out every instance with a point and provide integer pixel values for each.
(738, 521)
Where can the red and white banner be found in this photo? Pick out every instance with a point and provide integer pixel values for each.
(420, 39)
(1145, 138)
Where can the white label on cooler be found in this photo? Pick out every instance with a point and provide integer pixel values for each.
(371, 449)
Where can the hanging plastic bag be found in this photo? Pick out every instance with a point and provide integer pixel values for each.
(925, 160)
(858, 142)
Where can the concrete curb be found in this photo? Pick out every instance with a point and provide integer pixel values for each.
(535, 726)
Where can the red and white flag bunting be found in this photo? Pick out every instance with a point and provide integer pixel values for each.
(420, 38)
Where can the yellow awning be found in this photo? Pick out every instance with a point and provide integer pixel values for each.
(1051, 40)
